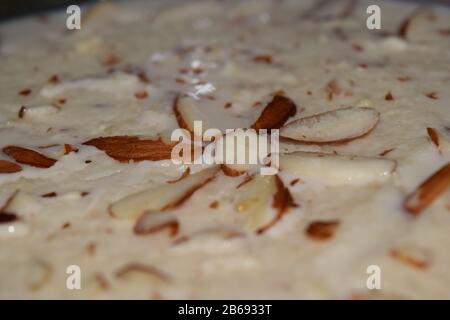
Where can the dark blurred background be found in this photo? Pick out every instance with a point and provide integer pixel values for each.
(14, 8)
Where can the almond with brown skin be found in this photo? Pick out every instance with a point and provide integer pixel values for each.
(434, 137)
(126, 148)
(276, 113)
(282, 202)
(428, 191)
(133, 270)
(9, 167)
(29, 157)
(161, 198)
(322, 230)
(152, 222)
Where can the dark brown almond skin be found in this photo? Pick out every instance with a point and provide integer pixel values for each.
(29, 157)
(142, 268)
(428, 191)
(172, 226)
(276, 113)
(321, 230)
(9, 167)
(230, 172)
(126, 148)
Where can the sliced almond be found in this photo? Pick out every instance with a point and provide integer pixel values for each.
(152, 222)
(434, 136)
(282, 201)
(405, 26)
(9, 167)
(276, 113)
(29, 157)
(321, 230)
(428, 191)
(254, 199)
(187, 110)
(413, 256)
(339, 125)
(161, 198)
(336, 170)
(139, 272)
(126, 148)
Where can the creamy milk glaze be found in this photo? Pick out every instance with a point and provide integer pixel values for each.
(207, 50)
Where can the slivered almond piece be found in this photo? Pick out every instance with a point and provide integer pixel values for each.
(412, 256)
(140, 271)
(253, 200)
(152, 222)
(434, 137)
(29, 157)
(187, 110)
(336, 170)
(184, 175)
(321, 230)
(161, 198)
(126, 148)
(282, 201)
(428, 191)
(339, 125)
(9, 167)
(276, 113)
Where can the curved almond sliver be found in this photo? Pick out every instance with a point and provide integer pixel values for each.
(339, 125)
(9, 167)
(29, 157)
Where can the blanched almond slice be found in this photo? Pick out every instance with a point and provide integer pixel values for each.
(336, 170)
(152, 222)
(126, 148)
(161, 198)
(321, 230)
(428, 191)
(9, 167)
(187, 110)
(29, 157)
(333, 126)
(253, 200)
(141, 272)
(276, 113)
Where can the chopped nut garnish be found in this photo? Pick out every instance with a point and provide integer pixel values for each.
(54, 79)
(24, 92)
(141, 94)
(49, 195)
(322, 230)
(389, 96)
(432, 95)
(265, 58)
(214, 204)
